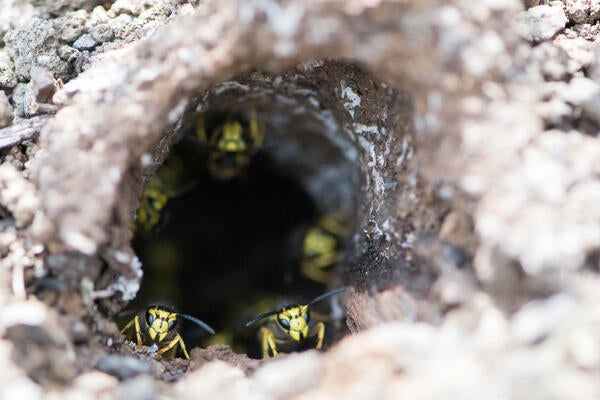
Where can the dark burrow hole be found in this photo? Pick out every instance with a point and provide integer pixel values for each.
(338, 146)
(227, 249)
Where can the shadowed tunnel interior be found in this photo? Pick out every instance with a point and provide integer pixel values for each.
(226, 250)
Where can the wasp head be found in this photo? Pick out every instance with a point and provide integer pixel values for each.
(294, 320)
(160, 322)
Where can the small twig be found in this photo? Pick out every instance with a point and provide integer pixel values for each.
(22, 130)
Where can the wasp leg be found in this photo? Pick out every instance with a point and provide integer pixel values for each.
(332, 225)
(313, 269)
(257, 130)
(182, 345)
(127, 328)
(138, 331)
(135, 324)
(267, 340)
(320, 328)
(171, 347)
(315, 273)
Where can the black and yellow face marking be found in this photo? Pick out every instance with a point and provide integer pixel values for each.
(294, 320)
(290, 324)
(231, 145)
(165, 185)
(321, 249)
(230, 138)
(158, 325)
(160, 321)
(154, 200)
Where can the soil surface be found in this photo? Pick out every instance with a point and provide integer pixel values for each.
(457, 143)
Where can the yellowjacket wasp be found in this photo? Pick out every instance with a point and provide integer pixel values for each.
(154, 199)
(290, 326)
(231, 144)
(165, 185)
(158, 325)
(321, 249)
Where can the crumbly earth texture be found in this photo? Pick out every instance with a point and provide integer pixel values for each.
(473, 132)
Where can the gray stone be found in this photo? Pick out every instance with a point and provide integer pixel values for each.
(38, 93)
(85, 42)
(42, 84)
(36, 44)
(140, 388)
(102, 33)
(67, 53)
(541, 23)
(123, 367)
(8, 78)
(120, 25)
(72, 25)
(582, 11)
(22, 101)
(60, 6)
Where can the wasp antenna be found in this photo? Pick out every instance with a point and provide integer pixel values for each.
(261, 316)
(126, 313)
(321, 297)
(198, 322)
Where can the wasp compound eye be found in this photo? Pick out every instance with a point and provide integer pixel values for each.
(151, 203)
(172, 324)
(149, 317)
(306, 316)
(285, 323)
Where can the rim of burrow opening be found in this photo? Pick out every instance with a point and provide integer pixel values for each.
(370, 121)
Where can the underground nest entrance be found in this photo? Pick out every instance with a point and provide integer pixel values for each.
(226, 238)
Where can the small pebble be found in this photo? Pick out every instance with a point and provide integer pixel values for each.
(8, 78)
(541, 23)
(123, 367)
(101, 33)
(85, 42)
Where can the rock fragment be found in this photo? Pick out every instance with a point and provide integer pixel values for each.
(8, 77)
(123, 367)
(102, 33)
(132, 7)
(36, 44)
(85, 42)
(582, 11)
(541, 23)
(72, 25)
(35, 97)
